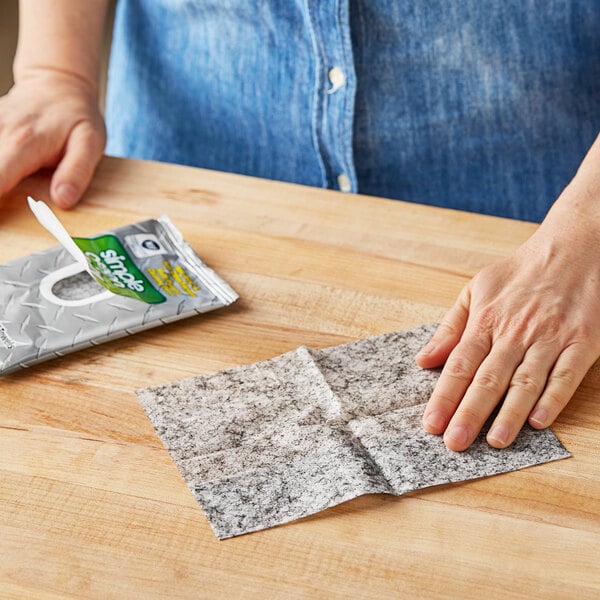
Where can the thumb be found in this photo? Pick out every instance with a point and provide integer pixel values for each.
(74, 172)
(447, 335)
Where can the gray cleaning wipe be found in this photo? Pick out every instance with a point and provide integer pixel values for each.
(268, 443)
(142, 275)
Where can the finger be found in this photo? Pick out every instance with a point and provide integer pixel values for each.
(74, 172)
(461, 366)
(525, 389)
(483, 394)
(568, 372)
(447, 335)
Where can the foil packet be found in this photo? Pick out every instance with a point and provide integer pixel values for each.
(94, 290)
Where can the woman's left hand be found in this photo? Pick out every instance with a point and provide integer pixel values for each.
(523, 332)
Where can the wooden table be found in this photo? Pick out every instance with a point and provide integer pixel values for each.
(91, 505)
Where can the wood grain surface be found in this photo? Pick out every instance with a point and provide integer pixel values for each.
(91, 505)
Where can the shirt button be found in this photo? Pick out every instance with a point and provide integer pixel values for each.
(344, 183)
(337, 79)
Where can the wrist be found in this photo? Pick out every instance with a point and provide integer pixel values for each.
(48, 77)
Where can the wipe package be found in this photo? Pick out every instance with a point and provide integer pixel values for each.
(93, 290)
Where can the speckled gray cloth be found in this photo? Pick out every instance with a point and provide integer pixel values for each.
(271, 442)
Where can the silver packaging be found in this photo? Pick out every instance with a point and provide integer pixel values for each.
(50, 305)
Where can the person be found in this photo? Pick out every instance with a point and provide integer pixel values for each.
(485, 107)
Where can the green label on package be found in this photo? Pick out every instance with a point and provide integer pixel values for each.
(113, 268)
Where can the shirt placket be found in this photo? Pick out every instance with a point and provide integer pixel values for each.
(334, 91)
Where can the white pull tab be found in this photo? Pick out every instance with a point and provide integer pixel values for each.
(50, 221)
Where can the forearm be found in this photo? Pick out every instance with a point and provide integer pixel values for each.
(61, 35)
(579, 204)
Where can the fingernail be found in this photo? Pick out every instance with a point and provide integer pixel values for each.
(66, 195)
(427, 349)
(499, 434)
(539, 417)
(459, 435)
(435, 421)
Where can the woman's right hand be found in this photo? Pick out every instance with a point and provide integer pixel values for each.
(51, 118)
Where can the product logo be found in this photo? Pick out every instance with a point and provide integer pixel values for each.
(114, 269)
(150, 245)
(5, 339)
(144, 245)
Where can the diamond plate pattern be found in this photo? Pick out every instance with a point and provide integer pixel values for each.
(41, 329)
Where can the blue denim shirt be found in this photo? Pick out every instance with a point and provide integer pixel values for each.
(483, 106)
